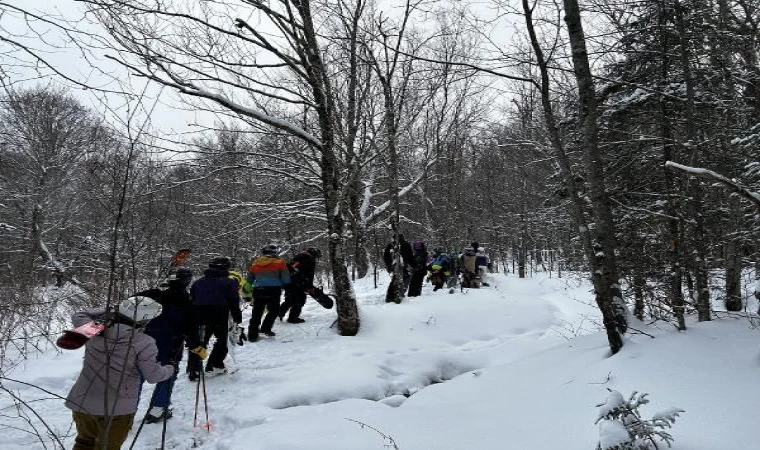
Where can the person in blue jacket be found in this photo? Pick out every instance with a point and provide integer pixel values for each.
(269, 275)
(215, 298)
(169, 329)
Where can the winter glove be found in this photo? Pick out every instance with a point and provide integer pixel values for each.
(201, 352)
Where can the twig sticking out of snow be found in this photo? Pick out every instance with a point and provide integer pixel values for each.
(389, 442)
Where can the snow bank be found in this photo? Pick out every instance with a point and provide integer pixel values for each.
(507, 368)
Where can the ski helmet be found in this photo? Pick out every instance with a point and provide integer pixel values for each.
(314, 252)
(220, 262)
(270, 250)
(140, 309)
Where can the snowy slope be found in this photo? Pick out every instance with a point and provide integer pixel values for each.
(485, 369)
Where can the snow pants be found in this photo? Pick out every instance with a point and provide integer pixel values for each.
(90, 428)
(295, 299)
(437, 279)
(168, 353)
(218, 353)
(415, 283)
(264, 298)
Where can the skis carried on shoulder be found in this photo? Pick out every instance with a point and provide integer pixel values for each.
(177, 259)
(76, 337)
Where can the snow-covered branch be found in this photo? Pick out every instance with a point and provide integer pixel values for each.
(752, 196)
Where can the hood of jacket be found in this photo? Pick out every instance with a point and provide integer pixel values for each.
(213, 272)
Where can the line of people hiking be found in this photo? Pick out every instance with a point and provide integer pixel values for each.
(147, 334)
(441, 268)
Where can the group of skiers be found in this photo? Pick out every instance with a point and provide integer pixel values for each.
(176, 316)
(145, 337)
(441, 268)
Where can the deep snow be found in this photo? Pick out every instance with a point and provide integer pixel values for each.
(495, 368)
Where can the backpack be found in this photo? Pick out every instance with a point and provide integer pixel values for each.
(468, 260)
(440, 261)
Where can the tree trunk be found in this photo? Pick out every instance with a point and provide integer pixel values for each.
(673, 222)
(695, 205)
(605, 277)
(733, 257)
(733, 276)
(348, 313)
(638, 294)
(391, 135)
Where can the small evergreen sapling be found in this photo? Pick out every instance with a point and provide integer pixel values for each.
(622, 428)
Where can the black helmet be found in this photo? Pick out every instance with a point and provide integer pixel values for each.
(270, 250)
(181, 276)
(314, 252)
(220, 262)
(437, 251)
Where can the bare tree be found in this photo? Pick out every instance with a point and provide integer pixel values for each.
(215, 55)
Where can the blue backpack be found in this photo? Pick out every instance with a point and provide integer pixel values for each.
(440, 260)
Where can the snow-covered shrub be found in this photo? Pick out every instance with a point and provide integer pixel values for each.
(621, 426)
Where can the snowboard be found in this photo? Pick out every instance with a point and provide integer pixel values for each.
(77, 337)
(323, 299)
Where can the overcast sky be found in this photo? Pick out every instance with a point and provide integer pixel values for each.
(90, 66)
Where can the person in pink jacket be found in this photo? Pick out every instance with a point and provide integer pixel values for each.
(104, 398)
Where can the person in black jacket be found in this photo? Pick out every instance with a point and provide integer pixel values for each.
(418, 268)
(169, 329)
(215, 298)
(302, 269)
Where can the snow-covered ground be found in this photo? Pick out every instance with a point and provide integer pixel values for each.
(517, 366)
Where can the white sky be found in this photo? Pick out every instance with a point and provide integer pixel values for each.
(89, 66)
(170, 115)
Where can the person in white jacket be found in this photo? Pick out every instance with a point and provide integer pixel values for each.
(104, 398)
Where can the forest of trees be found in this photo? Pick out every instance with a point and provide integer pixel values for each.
(340, 124)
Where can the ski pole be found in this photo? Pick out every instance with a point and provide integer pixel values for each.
(152, 402)
(145, 417)
(207, 425)
(201, 332)
(172, 380)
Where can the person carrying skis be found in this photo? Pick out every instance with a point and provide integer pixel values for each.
(268, 274)
(104, 398)
(169, 329)
(439, 269)
(215, 297)
(302, 269)
(418, 268)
